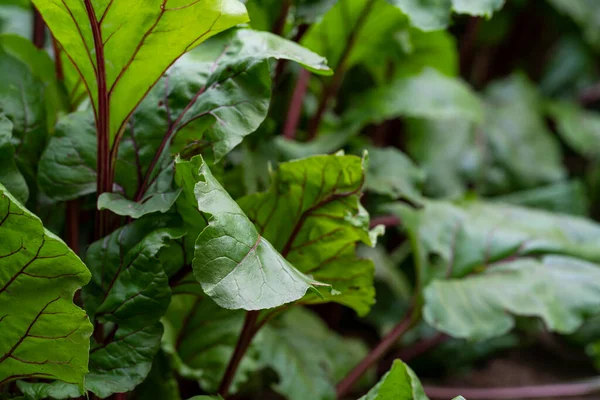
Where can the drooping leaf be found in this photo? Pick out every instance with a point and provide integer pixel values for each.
(158, 202)
(392, 173)
(308, 358)
(236, 266)
(495, 257)
(131, 37)
(43, 334)
(312, 215)
(10, 176)
(128, 294)
(400, 382)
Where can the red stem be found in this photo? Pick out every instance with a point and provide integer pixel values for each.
(375, 355)
(72, 229)
(519, 392)
(280, 23)
(248, 332)
(104, 167)
(331, 90)
(295, 109)
(39, 29)
(60, 75)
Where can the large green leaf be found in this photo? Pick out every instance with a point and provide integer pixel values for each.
(43, 334)
(308, 358)
(132, 35)
(431, 15)
(128, 294)
(235, 264)
(502, 258)
(312, 215)
(400, 382)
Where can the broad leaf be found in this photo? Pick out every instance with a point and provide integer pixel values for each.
(392, 173)
(434, 15)
(131, 37)
(43, 334)
(400, 382)
(10, 176)
(128, 294)
(496, 256)
(312, 215)
(236, 266)
(308, 358)
(578, 127)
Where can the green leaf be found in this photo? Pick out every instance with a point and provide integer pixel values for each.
(128, 293)
(426, 95)
(391, 173)
(131, 37)
(44, 335)
(22, 102)
(400, 382)
(312, 215)
(373, 23)
(158, 202)
(200, 336)
(495, 257)
(67, 168)
(585, 13)
(236, 266)
(161, 382)
(430, 15)
(10, 176)
(579, 128)
(494, 157)
(308, 358)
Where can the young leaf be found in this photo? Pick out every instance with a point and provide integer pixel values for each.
(131, 36)
(43, 334)
(10, 176)
(312, 215)
(236, 266)
(308, 358)
(129, 293)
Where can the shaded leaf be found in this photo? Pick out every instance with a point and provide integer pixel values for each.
(585, 13)
(392, 173)
(236, 266)
(10, 176)
(48, 336)
(578, 127)
(128, 294)
(308, 358)
(161, 382)
(158, 202)
(312, 215)
(131, 36)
